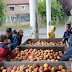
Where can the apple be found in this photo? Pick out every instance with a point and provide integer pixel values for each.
(68, 70)
(25, 57)
(18, 68)
(64, 52)
(52, 60)
(29, 65)
(22, 68)
(60, 52)
(48, 60)
(27, 70)
(63, 70)
(58, 57)
(45, 69)
(31, 68)
(46, 65)
(4, 70)
(56, 60)
(43, 43)
(38, 55)
(56, 53)
(52, 50)
(50, 57)
(17, 50)
(35, 65)
(35, 69)
(53, 69)
(15, 68)
(18, 71)
(41, 67)
(49, 68)
(13, 71)
(9, 69)
(61, 67)
(30, 57)
(41, 71)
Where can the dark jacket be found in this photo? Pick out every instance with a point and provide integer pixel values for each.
(12, 41)
(5, 51)
(66, 36)
(19, 38)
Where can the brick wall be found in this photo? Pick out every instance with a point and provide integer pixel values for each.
(17, 10)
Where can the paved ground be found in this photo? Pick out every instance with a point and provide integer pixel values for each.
(42, 33)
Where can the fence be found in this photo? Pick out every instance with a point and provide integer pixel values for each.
(56, 21)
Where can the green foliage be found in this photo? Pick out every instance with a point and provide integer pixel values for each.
(2, 12)
(42, 8)
(56, 8)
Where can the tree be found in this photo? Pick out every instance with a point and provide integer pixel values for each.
(56, 8)
(2, 13)
(66, 6)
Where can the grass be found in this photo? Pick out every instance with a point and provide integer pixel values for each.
(24, 25)
(14, 25)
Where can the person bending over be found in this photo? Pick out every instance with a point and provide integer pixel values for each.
(5, 50)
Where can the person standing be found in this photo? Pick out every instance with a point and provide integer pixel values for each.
(51, 33)
(19, 36)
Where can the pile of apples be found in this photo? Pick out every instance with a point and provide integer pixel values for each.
(35, 68)
(44, 43)
(38, 55)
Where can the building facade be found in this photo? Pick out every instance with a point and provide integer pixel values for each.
(17, 10)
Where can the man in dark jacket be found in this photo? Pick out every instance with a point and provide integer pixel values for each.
(12, 41)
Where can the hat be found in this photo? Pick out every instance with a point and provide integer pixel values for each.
(8, 30)
(14, 32)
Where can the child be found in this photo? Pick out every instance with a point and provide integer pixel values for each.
(12, 41)
(68, 54)
(4, 49)
(51, 34)
(66, 33)
(19, 36)
(14, 32)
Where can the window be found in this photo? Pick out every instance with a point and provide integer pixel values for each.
(11, 8)
(13, 18)
(22, 7)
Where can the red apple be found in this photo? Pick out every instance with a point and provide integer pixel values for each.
(35, 65)
(49, 68)
(45, 69)
(36, 70)
(63, 70)
(15, 68)
(41, 67)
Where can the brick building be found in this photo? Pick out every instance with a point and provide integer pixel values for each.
(17, 10)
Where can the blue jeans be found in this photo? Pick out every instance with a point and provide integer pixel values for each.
(67, 55)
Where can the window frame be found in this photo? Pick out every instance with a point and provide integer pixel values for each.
(21, 6)
(11, 6)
